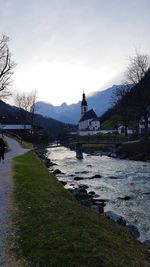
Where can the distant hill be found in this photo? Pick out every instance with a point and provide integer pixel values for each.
(6, 109)
(99, 101)
(11, 114)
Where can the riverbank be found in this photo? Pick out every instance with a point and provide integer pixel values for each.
(138, 150)
(123, 185)
(52, 229)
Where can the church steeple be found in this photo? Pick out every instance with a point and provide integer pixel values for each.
(84, 105)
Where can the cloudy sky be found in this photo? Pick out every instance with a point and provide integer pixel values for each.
(63, 46)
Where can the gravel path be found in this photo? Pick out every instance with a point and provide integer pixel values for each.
(6, 185)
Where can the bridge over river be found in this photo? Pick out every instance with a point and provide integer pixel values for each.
(107, 141)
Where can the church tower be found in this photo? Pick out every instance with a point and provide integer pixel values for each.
(84, 105)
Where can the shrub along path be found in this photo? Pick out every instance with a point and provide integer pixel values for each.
(6, 185)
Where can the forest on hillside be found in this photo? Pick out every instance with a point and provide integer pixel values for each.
(131, 102)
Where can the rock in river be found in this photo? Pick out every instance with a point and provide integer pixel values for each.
(57, 171)
(133, 230)
(115, 217)
(63, 183)
(125, 198)
(78, 178)
(95, 176)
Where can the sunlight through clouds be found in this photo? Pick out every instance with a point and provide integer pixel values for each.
(61, 47)
(50, 79)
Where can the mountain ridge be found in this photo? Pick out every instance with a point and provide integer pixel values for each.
(99, 101)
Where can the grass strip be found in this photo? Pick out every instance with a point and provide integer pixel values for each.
(52, 229)
(25, 144)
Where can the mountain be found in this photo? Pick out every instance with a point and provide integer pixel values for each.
(99, 101)
(65, 113)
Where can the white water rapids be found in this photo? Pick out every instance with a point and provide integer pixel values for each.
(119, 178)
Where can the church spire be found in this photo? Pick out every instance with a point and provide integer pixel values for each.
(84, 105)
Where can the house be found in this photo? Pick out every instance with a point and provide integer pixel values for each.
(89, 123)
(142, 126)
(121, 130)
(16, 125)
(130, 131)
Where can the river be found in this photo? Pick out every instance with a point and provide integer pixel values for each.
(119, 179)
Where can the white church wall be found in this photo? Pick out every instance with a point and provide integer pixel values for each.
(94, 125)
(83, 125)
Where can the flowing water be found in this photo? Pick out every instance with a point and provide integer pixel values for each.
(119, 179)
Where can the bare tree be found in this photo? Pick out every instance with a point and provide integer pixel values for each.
(6, 67)
(26, 103)
(138, 66)
(122, 104)
(122, 97)
(33, 99)
(142, 100)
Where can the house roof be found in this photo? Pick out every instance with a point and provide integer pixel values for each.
(96, 119)
(15, 127)
(89, 115)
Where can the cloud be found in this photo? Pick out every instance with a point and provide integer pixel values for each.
(67, 45)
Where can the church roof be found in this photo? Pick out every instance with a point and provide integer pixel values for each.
(89, 115)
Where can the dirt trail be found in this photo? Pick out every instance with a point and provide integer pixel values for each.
(6, 185)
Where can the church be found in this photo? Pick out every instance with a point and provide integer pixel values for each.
(89, 123)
